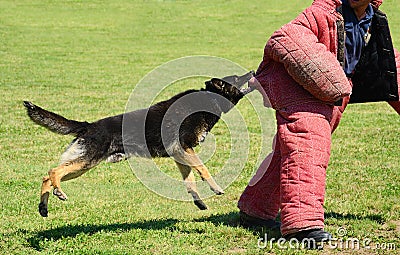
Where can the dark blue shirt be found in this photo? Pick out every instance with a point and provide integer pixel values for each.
(356, 32)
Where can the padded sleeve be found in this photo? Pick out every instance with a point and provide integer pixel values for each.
(309, 62)
(397, 56)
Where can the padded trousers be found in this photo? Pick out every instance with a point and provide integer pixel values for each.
(292, 178)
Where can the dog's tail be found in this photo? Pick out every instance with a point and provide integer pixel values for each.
(54, 122)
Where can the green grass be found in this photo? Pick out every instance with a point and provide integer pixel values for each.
(83, 58)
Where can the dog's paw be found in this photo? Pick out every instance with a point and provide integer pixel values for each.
(200, 204)
(43, 210)
(218, 191)
(61, 195)
(214, 186)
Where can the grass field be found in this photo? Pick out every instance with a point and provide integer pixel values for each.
(83, 58)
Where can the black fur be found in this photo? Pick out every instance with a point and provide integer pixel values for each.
(54, 122)
(162, 130)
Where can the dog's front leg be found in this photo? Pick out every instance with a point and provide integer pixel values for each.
(190, 182)
(190, 158)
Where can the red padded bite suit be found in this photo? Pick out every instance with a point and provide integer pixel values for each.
(301, 78)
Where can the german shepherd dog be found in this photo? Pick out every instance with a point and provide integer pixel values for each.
(170, 128)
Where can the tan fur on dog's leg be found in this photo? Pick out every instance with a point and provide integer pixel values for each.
(44, 196)
(191, 159)
(190, 183)
(64, 172)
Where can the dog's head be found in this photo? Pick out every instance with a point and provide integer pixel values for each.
(231, 88)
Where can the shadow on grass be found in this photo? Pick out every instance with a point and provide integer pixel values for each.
(58, 233)
(340, 216)
(230, 219)
(55, 234)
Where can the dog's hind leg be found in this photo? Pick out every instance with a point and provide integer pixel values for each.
(44, 196)
(189, 157)
(65, 172)
(190, 183)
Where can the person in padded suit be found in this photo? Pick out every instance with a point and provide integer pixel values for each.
(334, 53)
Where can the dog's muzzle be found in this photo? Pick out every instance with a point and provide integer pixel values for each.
(240, 81)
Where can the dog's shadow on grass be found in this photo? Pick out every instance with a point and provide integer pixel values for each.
(230, 219)
(58, 233)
